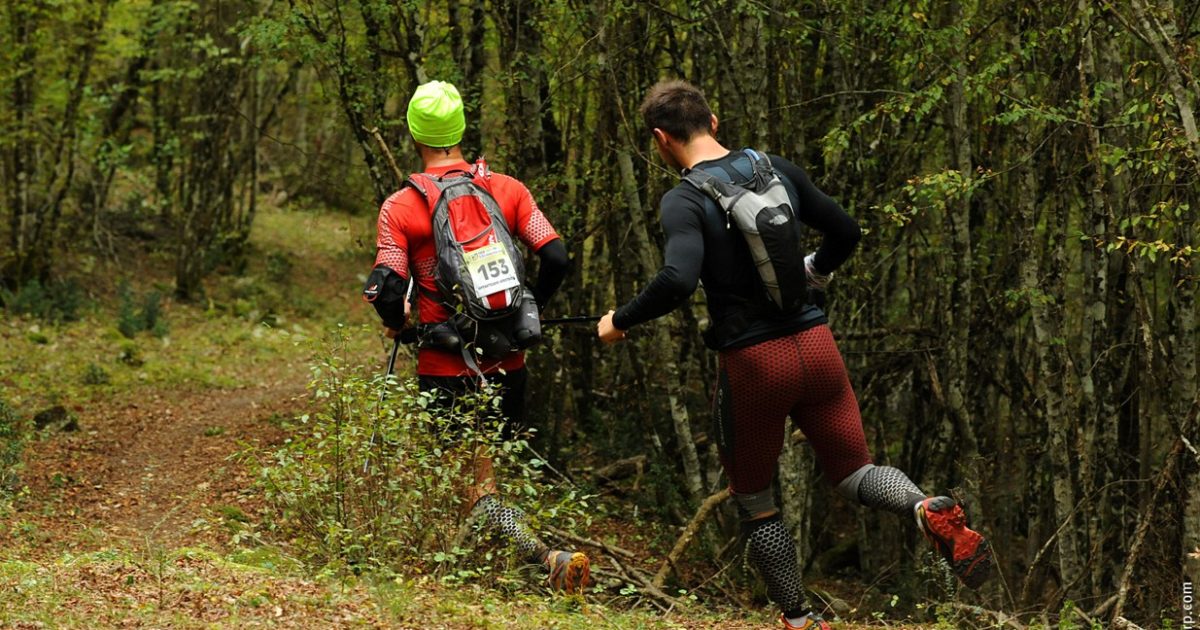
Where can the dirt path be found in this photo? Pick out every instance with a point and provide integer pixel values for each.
(154, 468)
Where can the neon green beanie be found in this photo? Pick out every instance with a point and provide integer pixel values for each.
(435, 115)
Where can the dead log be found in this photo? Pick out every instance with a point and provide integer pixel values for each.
(621, 469)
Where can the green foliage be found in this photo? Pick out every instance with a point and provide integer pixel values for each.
(12, 442)
(95, 375)
(130, 354)
(56, 301)
(375, 485)
(135, 316)
(257, 301)
(279, 267)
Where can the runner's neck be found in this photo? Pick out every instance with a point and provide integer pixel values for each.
(437, 159)
(702, 148)
(442, 166)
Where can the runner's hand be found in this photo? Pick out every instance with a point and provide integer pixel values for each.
(816, 279)
(392, 333)
(607, 332)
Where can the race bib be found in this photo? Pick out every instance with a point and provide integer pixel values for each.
(491, 270)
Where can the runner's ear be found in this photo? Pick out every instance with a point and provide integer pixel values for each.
(713, 123)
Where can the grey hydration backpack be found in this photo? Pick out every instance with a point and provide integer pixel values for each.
(763, 213)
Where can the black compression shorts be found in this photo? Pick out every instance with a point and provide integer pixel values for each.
(512, 392)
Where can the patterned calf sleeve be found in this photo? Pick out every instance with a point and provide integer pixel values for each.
(510, 523)
(771, 550)
(889, 489)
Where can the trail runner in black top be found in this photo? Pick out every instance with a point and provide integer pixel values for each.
(774, 362)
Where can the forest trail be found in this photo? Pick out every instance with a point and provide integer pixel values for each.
(155, 468)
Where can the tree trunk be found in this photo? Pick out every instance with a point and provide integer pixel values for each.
(797, 485)
(1153, 31)
(957, 313)
(661, 341)
(1037, 284)
(1096, 432)
(20, 163)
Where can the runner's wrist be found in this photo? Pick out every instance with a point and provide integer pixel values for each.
(816, 278)
(620, 320)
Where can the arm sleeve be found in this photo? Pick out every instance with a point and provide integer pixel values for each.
(533, 228)
(387, 284)
(817, 210)
(682, 260)
(535, 231)
(551, 271)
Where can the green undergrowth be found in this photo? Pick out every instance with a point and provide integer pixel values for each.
(375, 483)
(91, 360)
(185, 588)
(126, 332)
(197, 588)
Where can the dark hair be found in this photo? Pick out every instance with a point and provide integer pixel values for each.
(678, 108)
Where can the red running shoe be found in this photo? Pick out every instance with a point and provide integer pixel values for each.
(943, 522)
(813, 622)
(569, 571)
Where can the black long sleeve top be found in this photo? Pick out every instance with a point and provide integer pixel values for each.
(701, 247)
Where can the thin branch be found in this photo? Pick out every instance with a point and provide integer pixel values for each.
(387, 153)
(611, 550)
(688, 534)
(1143, 527)
(1001, 618)
(1049, 544)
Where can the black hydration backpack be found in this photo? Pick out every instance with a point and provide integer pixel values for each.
(763, 213)
(480, 272)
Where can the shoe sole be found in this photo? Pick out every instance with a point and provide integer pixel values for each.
(573, 578)
(973, 570)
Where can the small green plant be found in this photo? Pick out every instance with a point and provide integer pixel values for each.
(12, 442)
(95, 375)
(152, 314)
(127, 320)
(55, 301)
(279, 267)
(130, 354)
(132, 319)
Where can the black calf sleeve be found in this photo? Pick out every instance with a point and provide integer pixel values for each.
(510, 523)
(889, 489)
(770, 549)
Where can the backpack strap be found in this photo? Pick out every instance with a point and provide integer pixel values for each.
(426, 186)
(431, 187)
(762, 168)
(480, 169)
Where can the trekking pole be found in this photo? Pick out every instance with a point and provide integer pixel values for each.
(391, 367)
(581, 319)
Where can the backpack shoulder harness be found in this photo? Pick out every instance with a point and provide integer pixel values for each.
(763, 213)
